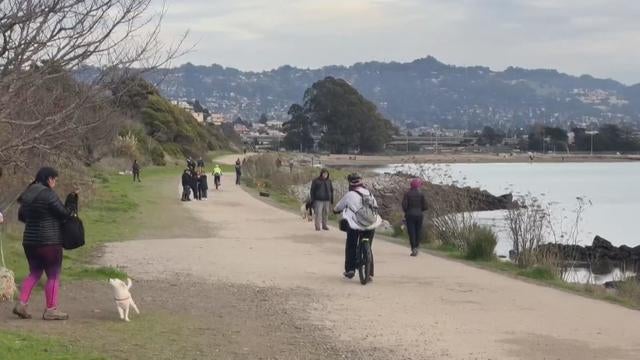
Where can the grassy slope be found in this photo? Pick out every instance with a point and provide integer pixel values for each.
(120, 210)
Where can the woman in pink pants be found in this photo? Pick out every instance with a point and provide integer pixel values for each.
(43, 214)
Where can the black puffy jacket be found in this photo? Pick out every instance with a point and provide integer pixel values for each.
(414, 203)
(43, 214)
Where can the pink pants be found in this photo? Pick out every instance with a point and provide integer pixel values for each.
(47, 259)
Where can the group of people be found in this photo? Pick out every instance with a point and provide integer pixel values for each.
(321, 199)
(195, 181)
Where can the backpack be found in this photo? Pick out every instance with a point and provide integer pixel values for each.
(367, 215)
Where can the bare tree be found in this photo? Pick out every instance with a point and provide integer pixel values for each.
(43, 43)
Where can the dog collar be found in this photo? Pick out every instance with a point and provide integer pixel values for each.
(123, 299)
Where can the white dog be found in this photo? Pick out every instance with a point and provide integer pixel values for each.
(123, 297)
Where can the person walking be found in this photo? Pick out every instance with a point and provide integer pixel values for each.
(290, 166)
(194, 184)
(43, 214)
(200, 163)
(238, 171)
(203, 186)
(135, 169)
(321, 195)
(217, 176)
(348, 206)
(186, 185)
(414, 204)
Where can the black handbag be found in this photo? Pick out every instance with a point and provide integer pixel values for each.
(343, 225)
(72, 233)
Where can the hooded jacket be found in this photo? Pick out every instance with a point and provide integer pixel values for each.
(43, 214)
(414, 203)
(321, 189)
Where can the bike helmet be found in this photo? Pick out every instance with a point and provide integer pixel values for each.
(354, 179)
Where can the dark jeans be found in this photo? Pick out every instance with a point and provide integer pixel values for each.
(238, 178)
(414, 229)
(136, 175)
(350, 254)
(186, 192)
(203, 193)
(216, 180)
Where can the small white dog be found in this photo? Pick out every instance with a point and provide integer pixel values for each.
(123, 297)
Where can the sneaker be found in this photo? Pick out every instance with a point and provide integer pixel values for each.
(349, 274)
(21, 310)
(325, 228)
(54, 314)
(413, 252)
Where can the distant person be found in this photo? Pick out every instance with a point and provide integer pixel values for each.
(244, 151)
(135, 169)
(217, 176)
(321, 195)
(194, 185)
(203, 186)
(278, 163)
(43, 214)
(290, 166)
(238, 171)
(1, 217)
(413, 205)
(200, 164)
(186, 185)
(348, 206)
(191, 165)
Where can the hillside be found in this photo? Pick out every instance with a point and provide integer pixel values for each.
(161, 127)
(423, 92)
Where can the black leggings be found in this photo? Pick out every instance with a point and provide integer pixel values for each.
(350, 254)
(414, 229)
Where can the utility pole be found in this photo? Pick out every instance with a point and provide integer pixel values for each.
(591, 133)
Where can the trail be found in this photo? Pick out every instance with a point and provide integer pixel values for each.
(417, 308)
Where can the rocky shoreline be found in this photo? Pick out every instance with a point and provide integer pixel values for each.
(601, 257)
(389, 190)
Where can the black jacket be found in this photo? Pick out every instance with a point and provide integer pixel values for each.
(414, 203)
(202, 182)
(43, 214)
(186, 179)
(321, 190)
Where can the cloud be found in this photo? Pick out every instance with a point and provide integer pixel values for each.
(575, 36)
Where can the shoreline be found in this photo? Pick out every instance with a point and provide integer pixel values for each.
(469, 158)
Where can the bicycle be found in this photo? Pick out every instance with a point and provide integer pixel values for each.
(365, 256)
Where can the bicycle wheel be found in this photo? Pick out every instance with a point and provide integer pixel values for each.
(365, 263)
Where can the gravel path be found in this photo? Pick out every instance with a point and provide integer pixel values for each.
(417, 308)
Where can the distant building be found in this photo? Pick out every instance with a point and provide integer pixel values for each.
(216, 119)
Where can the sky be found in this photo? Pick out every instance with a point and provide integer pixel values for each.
(596, 37)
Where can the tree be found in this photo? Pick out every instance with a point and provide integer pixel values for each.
(45, 112)
(543, 138)
(263, 119)
(298, 130)
(345, 120)
(490, 136)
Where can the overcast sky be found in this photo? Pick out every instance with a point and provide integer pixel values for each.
(598, 37)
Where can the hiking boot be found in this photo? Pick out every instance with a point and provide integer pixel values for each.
(413, 252)
(349, 274)
(21, 310)
(54, 314)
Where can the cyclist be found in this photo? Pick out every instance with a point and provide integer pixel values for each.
(217, 174)
(355, 226)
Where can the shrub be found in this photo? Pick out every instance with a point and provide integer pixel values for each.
(157, 156)
(481, 243)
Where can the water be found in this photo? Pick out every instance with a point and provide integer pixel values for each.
(611, 190)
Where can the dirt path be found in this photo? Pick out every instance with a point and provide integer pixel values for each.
(417, 308)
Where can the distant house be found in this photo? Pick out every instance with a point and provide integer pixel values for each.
(275, 124)
(216, 119)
